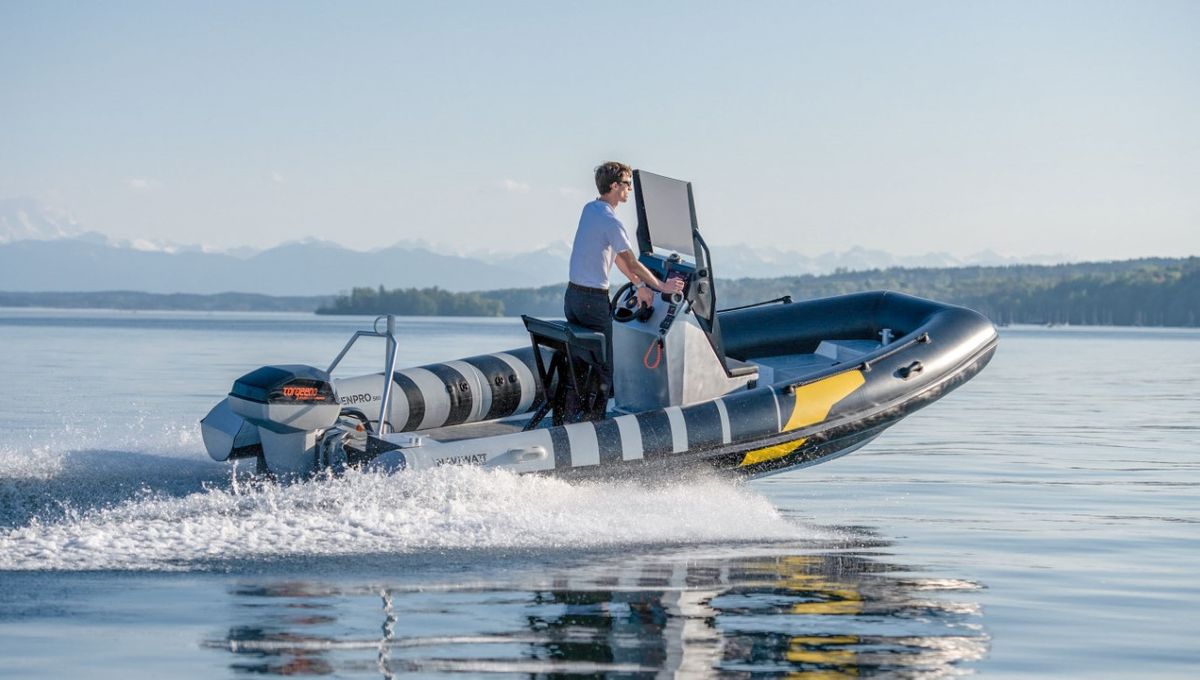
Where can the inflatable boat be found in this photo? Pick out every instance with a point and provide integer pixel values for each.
(751, 391)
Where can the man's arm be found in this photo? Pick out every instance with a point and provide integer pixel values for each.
(638, 273)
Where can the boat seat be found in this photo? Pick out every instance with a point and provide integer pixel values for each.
(573, 383)
(557, 334)
(737, 368)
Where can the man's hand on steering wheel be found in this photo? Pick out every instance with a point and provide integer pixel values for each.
(645, 296)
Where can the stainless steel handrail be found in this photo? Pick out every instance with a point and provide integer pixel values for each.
(385, 402)
(389, 363)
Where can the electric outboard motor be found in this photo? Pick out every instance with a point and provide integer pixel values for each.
(296, 420)
(290, 406)
(286, 397)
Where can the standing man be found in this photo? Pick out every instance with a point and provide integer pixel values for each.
(599, 241)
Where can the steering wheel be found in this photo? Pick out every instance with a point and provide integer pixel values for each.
(616, 298)
(624, 306)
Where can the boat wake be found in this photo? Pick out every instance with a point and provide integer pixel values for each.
(162, 507)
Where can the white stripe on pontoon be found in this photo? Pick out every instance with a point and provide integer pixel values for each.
(678, 429)
(778, 417)
(585, 447)
(397, 414)
(725, 437)
(631, 438)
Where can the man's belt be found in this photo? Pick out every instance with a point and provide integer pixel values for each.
(587, 289)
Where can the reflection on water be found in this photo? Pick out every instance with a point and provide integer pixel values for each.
(814, 611)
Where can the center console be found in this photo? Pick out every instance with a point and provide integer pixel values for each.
(671, 353)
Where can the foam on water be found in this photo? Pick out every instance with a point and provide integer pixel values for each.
(100, 509)
(53, 475)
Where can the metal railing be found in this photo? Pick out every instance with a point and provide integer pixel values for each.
(389, 335)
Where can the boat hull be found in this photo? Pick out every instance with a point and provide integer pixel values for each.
(837, 404)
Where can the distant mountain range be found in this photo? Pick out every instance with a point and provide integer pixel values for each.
(41, 250)
(26, 218)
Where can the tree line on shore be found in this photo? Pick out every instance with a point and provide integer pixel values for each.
(415, 302)
(1142, 292)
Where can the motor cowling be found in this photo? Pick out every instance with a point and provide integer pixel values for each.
(286, 398)
(291, 406)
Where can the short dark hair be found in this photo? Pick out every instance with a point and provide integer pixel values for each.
(607, 173)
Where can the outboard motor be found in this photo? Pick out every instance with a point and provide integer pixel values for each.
(282, 409)
(292, 420)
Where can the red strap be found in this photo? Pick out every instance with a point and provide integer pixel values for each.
(657, 344)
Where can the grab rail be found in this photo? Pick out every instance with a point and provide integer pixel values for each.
(389, 335)
(921, 339)
(786, 299)
(864, 365)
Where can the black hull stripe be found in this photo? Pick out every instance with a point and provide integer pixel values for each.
(416, 401)
(481, 391)
(562, 447)
(752, 415)
(608, 437)
(655, 427)
(458, 389)
(703, 426)
(504, 384)
(527, 382)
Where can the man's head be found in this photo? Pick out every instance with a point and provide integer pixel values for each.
(614, 176)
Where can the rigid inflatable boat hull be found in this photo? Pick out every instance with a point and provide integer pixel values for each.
(833, 374)
(790, 424)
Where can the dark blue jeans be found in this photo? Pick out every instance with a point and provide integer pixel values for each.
(588, 307)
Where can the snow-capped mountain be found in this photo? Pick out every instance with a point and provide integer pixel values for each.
(42, 249)
(26, 219)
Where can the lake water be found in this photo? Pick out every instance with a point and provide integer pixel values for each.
(1043, 520)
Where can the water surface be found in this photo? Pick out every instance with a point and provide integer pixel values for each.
(1041, 520)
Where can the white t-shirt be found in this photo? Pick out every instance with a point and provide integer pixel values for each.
(598, 239)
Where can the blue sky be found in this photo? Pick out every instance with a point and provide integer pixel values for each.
(1021, 127)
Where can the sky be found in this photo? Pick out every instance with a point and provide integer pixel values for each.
(1023, 128)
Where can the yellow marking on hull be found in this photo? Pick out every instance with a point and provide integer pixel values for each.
(814, 400)
(813, 403)
(771, 452)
